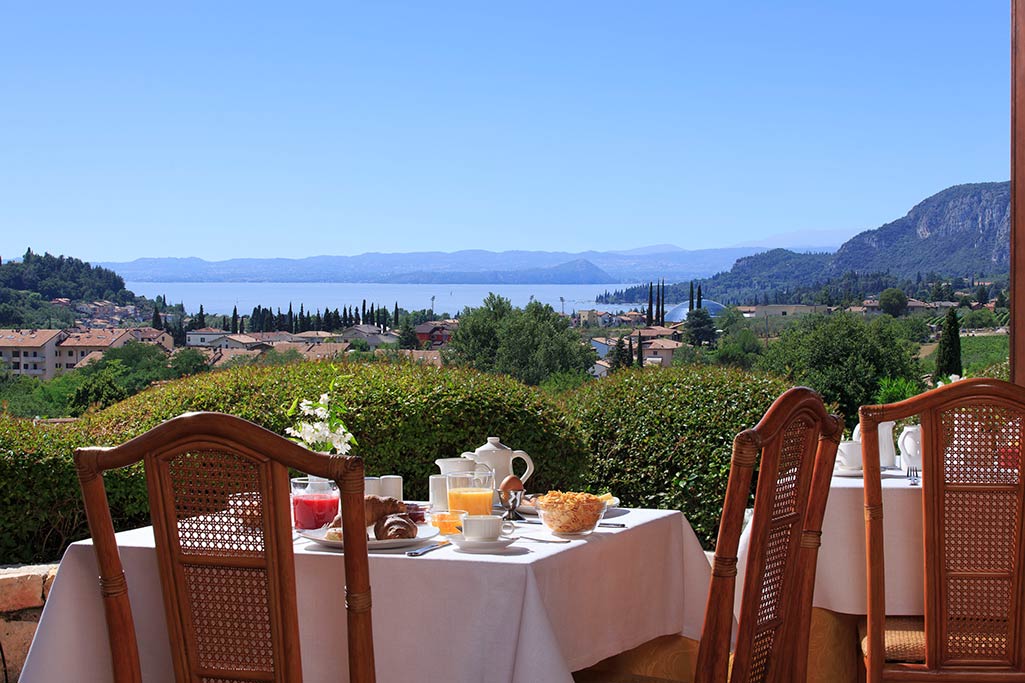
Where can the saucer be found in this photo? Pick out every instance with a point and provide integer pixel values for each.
(848, 472)
(471, 545)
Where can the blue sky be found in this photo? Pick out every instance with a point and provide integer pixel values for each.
(247, 130)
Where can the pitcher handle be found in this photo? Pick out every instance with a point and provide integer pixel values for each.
(525, 458)
(904, 436)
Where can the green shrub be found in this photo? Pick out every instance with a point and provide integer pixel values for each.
(404, 416)
(663, 439)
(40, 504)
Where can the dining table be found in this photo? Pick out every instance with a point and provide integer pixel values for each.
(535, 611)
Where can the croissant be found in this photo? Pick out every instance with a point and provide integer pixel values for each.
(394, 526)
(377, 508)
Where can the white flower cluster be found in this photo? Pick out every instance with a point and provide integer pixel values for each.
(326, 432)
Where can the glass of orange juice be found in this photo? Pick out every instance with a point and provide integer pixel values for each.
(471, 491)
(449, 522)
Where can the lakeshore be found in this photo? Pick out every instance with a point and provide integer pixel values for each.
(219, 298)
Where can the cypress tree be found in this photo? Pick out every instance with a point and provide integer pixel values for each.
(648, 317)
(640, 351)
(699, 296)
(156, 324)
(690, 307)
(395, 316)
(663, 323)
(948, 353)
(363, 312)
(234, 320)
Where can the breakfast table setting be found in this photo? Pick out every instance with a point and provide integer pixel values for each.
(516, 588)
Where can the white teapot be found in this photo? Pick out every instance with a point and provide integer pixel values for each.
(887, 453)
(500, 459)
(910, 443)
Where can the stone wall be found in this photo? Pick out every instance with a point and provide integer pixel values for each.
(23, 591)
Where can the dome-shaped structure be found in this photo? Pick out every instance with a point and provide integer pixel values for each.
(678, 314)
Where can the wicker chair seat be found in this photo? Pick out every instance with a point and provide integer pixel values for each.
(904, 639)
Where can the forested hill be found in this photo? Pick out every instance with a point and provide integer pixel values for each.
(963, 231)
(61, 276)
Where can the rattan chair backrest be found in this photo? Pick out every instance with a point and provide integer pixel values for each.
(972, 511)
(797, 441)
(219, 500)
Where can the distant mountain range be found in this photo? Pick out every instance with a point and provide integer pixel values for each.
(961, 231)
(460, 267)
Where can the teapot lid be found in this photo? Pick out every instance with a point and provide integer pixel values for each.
(492, 445)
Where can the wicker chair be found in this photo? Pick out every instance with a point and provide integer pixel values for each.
(972, 505)
(798, 442)
(219, 501)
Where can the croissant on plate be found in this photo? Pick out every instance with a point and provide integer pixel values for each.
(394, 526)
(377, 507)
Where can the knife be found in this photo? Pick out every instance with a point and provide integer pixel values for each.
(614, 525)
(427, 548)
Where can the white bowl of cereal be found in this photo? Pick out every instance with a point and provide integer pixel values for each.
(570, 514)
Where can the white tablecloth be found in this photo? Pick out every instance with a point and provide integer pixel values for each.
(534, 613)
(840, 583)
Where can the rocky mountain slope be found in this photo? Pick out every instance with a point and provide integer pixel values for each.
(964, 230)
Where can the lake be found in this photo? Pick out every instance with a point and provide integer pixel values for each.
(220, 297)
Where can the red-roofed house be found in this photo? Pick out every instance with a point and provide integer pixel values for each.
(30, 352)
(81, 341)
(204, 336)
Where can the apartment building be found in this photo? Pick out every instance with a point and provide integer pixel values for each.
(30, 352)
(80, 342)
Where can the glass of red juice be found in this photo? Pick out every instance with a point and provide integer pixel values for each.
(314, 502)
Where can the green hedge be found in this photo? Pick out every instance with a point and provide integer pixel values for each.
(404, 416)
(663, 439)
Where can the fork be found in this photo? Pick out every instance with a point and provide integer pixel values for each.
(913, 476)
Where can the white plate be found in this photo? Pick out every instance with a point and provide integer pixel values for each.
(468, 545)
(529, 509)
(423, 532)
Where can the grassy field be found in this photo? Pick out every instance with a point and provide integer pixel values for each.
(977, 352)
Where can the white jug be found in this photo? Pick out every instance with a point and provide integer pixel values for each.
(453, 465)
(910, 443)
(887, 453)
(500, 459)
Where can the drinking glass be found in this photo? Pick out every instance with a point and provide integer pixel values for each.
(314, 502)
(471, 491)
(449, 522)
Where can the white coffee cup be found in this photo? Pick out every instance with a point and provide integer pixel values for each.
(848, 455)
(486, 527)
